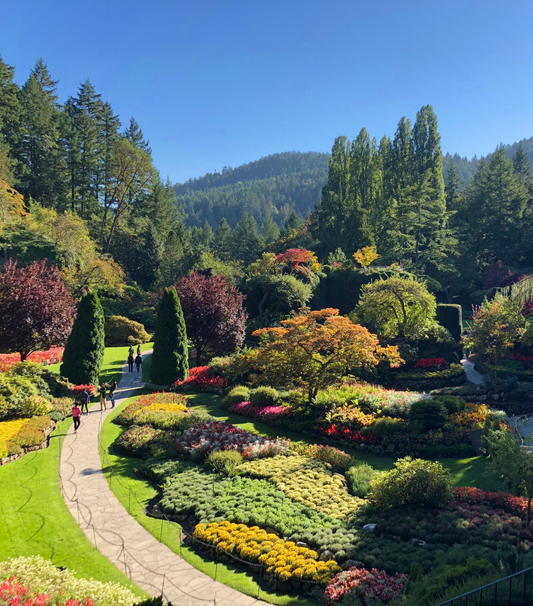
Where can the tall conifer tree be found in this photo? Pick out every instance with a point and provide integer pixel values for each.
(84, 351)
(170, 360)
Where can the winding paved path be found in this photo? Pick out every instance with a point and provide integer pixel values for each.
(120, 538)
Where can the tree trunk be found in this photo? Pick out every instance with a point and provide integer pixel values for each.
(198, 355)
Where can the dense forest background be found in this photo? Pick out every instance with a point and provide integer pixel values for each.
(92, 202)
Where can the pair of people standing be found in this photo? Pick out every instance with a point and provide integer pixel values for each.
(137, 360)
(103, 388)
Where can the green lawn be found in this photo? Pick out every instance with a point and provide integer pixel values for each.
(34, 519)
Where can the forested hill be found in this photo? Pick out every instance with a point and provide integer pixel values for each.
(467, 168)
(275, 184)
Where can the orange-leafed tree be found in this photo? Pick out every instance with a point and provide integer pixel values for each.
(315, 349)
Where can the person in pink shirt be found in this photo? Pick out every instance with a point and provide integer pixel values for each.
(76, 414)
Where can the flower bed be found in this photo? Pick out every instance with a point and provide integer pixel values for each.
(129, 415)
(30, 576)
(266, 414)
(370, 585)
(50, 356)
(338, 459)
(284, 561)
(431, 364)
(201, 378)
(198, 441)
(30, 434)
(516, 506)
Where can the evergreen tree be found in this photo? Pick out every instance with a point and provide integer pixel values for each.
(10, 111)
(109, 125)
(207, 236)
(134, 134)
(292, 224)
(522, 165)
(170, 360)
(172, 263)
(222, 241)
(270, 231)
(246, 241)
(84, 351)
(453, 187)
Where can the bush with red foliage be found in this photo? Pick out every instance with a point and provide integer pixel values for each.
(201, 378)
(431, 363)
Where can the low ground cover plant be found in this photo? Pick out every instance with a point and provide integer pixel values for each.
(284, 561)
(128, 416)
(339, 460)
(144, 442)
(30, 434)
(60, 586)
(202, 378)
(374, 586)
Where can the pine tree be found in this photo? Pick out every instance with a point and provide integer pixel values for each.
(222, 241)
(522, 165)
(170, 360)
(270, 231)
(10, 111)
(84, 351)
(246, 241)
(134, 134)
(453, 187)
(292, 225)
(172, 263)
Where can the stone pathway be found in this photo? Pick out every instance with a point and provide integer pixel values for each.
(472, 374)
(119, 537)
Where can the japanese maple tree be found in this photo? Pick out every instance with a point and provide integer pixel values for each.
(300, 262)
(313, 350)
(36, 308)
(213, 311)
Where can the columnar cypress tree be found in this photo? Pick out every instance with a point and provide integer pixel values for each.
(170, 360)
(84, 351)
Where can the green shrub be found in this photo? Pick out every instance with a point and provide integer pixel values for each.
(119, 329)
(427, 414)
(412, 483)
(238, 394)
(35, 406)
(452, 403)
(224, 461)
(176, 421)
(387, 426)
(62, 405)
(14, 390)
(359, 478)
(339, 460)
(55, 415)
(47, 382)
(424, 380)
(451, 317)
(144, 442)
(265, 396)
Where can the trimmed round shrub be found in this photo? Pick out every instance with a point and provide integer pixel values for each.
(452, 403)
(412, 483)
(387, 426)
(265, 396)
(238, 394)
(35, 406)
(427, 414)
(224, 461)
(359, 478)
(123, 331)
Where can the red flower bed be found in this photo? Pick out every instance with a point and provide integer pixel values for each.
(51, 356)
(430, 363)
(499, 500)
(77, 389)
(340, 432)
(18, 595)
(370, 585)
(527, 360)
(201, 378)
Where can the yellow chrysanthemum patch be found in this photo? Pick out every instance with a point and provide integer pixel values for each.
(9, 429)
(164, 407)
(283, 559)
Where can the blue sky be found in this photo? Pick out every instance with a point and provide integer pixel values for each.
(220, 83)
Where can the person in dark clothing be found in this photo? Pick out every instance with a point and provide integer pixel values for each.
(112, 389)
(130, 362)
(85, 399)
(138, 362)
(76, 414)
(138, 350)
(103, 389)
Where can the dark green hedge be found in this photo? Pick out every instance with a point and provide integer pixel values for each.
(417, 381)
(451, 317)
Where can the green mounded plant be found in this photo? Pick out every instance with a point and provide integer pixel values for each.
(387, 426)
(428, 414)
(238, 394)
(359, 478)
(265, 396)
(123, 331)
(225, 461)
(452, 403)
(412, 483)
(170, 360)
(84, 351)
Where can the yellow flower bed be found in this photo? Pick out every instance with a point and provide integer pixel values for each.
(9, 429)
(473, 416)
(283, 559)
(164, 407)
(351, 415)
(306, 481)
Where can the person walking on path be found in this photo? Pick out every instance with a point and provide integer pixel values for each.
(139, 349)
(76, 414)
(130, 350)
(85, 399)
(138, 362)
(112, 389)
(130, 362)
(103, 388)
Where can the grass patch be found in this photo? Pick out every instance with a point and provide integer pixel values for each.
(35, 520)
(135, 493)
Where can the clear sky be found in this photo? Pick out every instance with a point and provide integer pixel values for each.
(224, 82)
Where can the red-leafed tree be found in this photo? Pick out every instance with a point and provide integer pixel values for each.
(299, 261)
(36, 308)
(213, 311)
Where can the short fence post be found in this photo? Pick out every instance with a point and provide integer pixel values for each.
(161, 531)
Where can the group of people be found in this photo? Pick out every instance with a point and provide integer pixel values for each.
(105, 389)
(137, 360)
